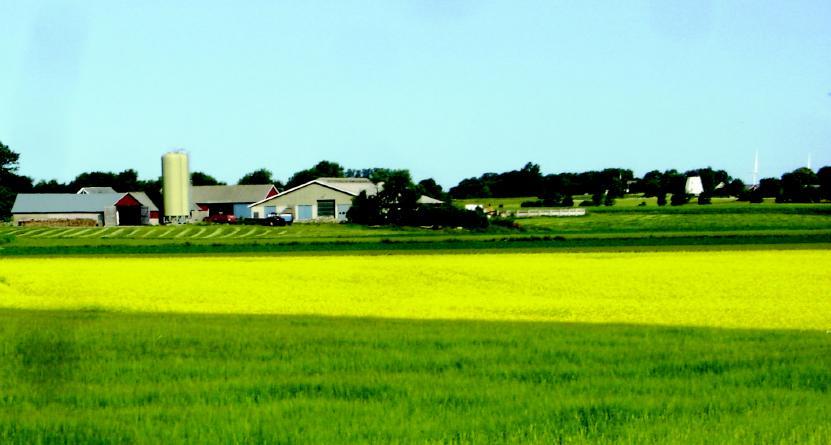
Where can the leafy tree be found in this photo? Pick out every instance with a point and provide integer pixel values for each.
(200, 178)
(365, 210)
(734, 188)
(92, 179)
(323, 169)
(398, 198)
(432, 189)
(662, 198)
(679, 198)
(261, 176)
(650, 185)
(770, 187)
(824, 179)
(597, 198)
(10, 182)
(358, 172)
(470, 188)
(800, 185)
(9, 160)
(51, 186)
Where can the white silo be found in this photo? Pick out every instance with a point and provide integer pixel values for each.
(694, 186)
(176, 187)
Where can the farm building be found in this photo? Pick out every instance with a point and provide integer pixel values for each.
(88, 209)
(322, 199)
(230, 199)
(153, 210)
(90, 190)
(693, 186)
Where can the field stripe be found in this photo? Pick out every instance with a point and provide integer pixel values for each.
(249, 233)
(199, 232)
(61, 233)
(183, 233)
(114, 233)
(31, 233)
(231, 233)
(166, 233)
(46, 233)
(81, 232)
(147, 232)
(100, 232)
(131, 233)
(215, 233)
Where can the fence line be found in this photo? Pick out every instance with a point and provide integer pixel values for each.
(550, 212)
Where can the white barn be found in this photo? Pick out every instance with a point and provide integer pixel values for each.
(322, 199)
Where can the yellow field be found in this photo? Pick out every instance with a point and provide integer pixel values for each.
(752, 289)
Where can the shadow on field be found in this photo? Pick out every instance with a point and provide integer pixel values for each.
(179, 378)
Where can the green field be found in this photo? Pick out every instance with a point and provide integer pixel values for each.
(658, 347)
(694, 324)
(99, 377)
(609, 227)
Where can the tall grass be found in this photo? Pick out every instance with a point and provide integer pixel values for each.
(164, 378)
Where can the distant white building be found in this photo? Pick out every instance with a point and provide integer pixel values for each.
(694, 186)
(323, 199)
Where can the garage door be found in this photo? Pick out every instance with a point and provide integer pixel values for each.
(342, 209)
(304, 213)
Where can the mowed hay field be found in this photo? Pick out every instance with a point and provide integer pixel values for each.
(665, 347)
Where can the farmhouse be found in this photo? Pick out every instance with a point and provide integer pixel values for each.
(322, 199)
(87, 209)
(230, 199)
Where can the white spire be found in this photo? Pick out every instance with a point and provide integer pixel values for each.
(756, 168)
(809, 161)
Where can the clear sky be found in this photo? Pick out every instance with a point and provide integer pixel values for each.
(447, 88)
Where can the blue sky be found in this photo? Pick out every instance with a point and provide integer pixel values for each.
(447, 88)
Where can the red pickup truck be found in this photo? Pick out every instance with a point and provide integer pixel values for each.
(221, 218)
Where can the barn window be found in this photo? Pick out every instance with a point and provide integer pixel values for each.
(326, 208)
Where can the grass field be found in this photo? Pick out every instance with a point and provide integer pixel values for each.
(660, 347)
(613, 227)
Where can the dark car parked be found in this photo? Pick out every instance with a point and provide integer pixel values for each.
(221, 218)
(274, 219)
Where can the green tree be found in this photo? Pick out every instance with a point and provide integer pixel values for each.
(261, 176)
(323, 169)
(662, 198)
(10, 182)
(200, 178)
(824, 178)
(800, 185)
(9, 160)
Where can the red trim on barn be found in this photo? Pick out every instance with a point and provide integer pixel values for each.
(154, 214)
(272, 192)
(203, 207)
(128, 201)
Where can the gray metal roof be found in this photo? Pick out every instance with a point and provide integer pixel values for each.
(64, 202)
(424, 199)
(91, 190)
(216, 194)
(353, 186)
(145, 200)
(349, 186)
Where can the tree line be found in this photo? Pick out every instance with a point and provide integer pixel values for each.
(397, 202)
(801, 185)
